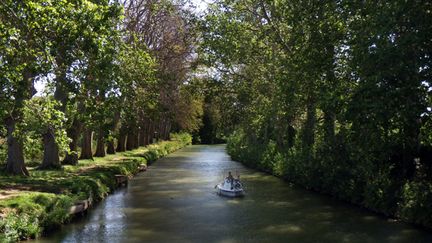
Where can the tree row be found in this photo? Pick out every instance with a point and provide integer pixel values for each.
(109, 70)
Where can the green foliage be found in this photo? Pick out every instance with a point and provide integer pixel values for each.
(3, 150)
(30, 214)
(159, 150)
(189, 108)
(33, 149)
(41, 115)
(333, 96)
(414, 206)
(18, 227)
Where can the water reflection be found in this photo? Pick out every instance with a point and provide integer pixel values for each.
(174, 201)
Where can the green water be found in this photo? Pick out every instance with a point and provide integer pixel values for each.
(175, 201)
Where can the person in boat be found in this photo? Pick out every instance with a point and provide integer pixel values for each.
(230, 178)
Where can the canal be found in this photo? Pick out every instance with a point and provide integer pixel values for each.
(175, 201)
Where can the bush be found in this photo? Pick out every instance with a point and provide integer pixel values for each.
(18, 227)
(346, 173)
(416, 201)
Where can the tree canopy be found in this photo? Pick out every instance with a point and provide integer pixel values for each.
(333, 95)
(108, 71)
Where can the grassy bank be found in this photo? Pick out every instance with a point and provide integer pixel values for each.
(32, 205)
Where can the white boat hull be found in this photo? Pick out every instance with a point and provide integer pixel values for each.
(229, 193)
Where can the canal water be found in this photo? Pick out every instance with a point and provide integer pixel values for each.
(175, 201)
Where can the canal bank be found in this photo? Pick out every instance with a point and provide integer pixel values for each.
(175, 201)
(30, 206)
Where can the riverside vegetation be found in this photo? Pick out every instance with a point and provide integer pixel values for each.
(332, 95)
(41, 202)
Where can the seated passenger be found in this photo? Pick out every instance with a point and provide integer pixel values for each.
(230, 179)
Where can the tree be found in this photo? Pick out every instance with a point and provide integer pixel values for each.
(24, 57)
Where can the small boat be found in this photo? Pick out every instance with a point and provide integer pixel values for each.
(230, 188)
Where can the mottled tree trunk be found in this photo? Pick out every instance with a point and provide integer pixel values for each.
(51, 152)
(86, 147)
(121, 143)
(15, 163)
(15, 156)
(73, 133)
(100, 147)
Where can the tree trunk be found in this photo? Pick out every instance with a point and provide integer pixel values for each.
(51, 152)
(291, 134)
(146, 134)
(86, 148)
(100, 148)
(142, 135)
(15, 163)
(73, 133)
(329, 126)
(168, 131)
(411, 148)
(110, 147)
(121, 143)
(136, 139)
(132, 139)
(308, 136)
(15, 156)
(151, 132)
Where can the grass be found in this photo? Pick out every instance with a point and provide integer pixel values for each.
(32, 205)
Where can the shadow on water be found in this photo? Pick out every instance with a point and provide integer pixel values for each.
(175, 201)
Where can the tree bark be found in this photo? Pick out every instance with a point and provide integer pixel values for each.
(110, 147)
(51, 152)
(15, 163)
(142, 135)
(100, 148)
(146, 134)
(121, 143)
(329, 126)
(15, 156)
(86, 148)
(73, 133)
(132, 140)
(151, 132)
(135, 139)
(168, 131)
(308, 136)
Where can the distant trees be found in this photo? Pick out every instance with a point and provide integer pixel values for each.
(109, 77)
